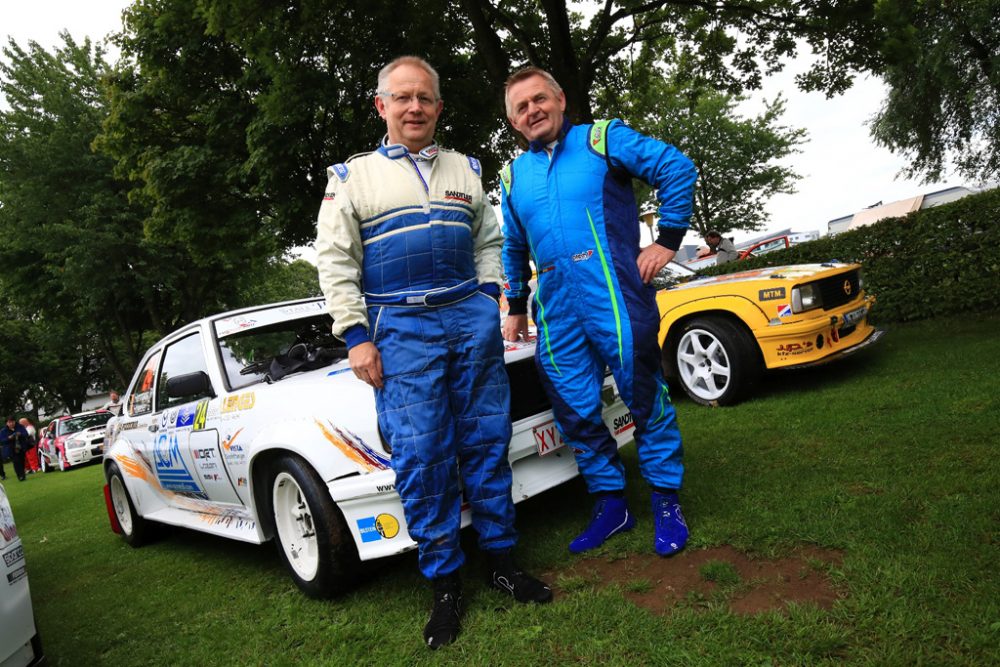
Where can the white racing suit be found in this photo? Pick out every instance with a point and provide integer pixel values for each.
(414, 266)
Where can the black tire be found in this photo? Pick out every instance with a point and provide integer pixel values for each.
(716, 361)
(136, 531)
(312, 538)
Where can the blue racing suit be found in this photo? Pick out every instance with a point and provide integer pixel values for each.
(425, 256)
(574, 214)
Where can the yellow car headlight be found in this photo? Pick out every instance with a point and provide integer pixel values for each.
(806, 297)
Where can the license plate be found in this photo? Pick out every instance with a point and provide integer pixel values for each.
(855, 316)
(547, 438)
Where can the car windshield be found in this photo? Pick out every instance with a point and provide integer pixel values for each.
(74, 424)
(259, 349)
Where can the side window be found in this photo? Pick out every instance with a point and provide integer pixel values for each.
(140, 402)
(181, 358)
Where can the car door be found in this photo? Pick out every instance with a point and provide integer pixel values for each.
(186, 454)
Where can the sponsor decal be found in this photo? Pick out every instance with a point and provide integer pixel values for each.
(546, 269)
(369, 532)
(7, 528)
(238, 402)
(329, 196)
(623, 423)
(338, 371)
(547, 438)
(302, 308)
(206, 453)
(455, 195)
(241, 481)
(785, 310)
(210, 477)
(341, 171)
(232, 452)
(383, 488)
(17, 575)
(387, 526)
(794, 349)
(14, 555)
(170, 467)
(771, 294)
(128, 426)
(200, 415)
(185, 416)
(583, 256)
(353, 447)
(477, 168)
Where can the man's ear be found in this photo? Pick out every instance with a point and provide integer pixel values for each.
(380, 105)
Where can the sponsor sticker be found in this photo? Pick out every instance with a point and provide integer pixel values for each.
(17, 575)
(369, 532)
(185, 416)
(583, 256)
(14, 555)
(200, 415)
(771, 294)
(785, 310)
(387, 526)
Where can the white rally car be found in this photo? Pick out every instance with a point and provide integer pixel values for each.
(19, 642)
(251, 425)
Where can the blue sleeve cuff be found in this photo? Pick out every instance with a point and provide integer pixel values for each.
(491, 290)
(356, 335)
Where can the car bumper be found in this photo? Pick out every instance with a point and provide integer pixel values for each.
(824, 337)
(84, 454)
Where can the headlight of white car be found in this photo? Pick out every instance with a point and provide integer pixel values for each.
(74, 443)
(806, 297)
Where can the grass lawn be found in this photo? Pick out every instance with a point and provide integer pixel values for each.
(890, 460)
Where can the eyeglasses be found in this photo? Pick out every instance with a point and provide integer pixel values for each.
(404, 100)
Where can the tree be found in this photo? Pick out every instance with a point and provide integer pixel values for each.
(70, 235)
(941, 61)
(735, 43)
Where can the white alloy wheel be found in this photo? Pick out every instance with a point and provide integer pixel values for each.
(294, 522)
(119, 500)
(62, 462)
(703, 364)
(43, 461)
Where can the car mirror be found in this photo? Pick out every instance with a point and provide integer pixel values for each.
(189, 384)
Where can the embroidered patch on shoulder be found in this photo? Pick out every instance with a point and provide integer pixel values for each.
(475, 166)
(341, 171)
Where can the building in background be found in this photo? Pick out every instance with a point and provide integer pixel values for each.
(878, 211)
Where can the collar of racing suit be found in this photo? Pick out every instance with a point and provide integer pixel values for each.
(396, 151)
(537, 145)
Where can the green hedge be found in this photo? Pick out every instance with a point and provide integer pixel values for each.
(939, 261)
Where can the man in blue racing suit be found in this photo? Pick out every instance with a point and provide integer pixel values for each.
(568, 205)
(409, 261)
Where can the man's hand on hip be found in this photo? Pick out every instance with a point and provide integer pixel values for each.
(366, 362)
(515, 327)
(653, 258)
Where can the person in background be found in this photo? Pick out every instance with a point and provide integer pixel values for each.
(31, 456)
(114, 404)
(568, 205)
(15, 438)
(722, 248)
(408, 251)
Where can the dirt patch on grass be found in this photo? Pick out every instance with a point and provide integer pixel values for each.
(699, 578)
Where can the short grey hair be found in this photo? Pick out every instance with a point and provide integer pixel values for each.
(416, 61)
(527, 73)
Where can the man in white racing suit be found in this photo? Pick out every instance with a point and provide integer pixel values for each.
(409, 261)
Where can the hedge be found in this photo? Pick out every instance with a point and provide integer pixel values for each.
(939, 261)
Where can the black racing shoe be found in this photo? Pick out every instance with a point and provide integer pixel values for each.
(444, 624)
(506, 576)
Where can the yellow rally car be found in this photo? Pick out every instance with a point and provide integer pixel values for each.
(718, 333)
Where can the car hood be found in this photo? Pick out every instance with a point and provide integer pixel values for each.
(796, 273)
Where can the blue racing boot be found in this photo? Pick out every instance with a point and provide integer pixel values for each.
(671, 531)
(610, 516)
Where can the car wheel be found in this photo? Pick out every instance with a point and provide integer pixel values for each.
(716, 361)
(312, 538)
(63, 466)
(43, 461)
(135, 529)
